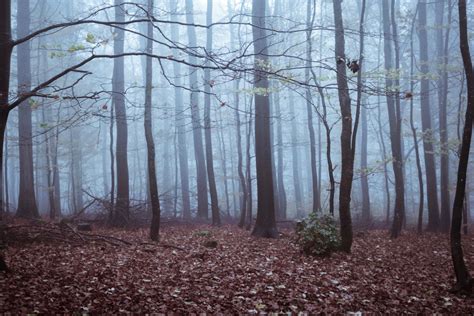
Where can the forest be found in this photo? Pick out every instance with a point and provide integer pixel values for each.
(236, 156)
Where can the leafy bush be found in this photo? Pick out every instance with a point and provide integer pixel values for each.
(317, 235)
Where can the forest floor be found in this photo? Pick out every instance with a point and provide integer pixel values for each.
(241, 274)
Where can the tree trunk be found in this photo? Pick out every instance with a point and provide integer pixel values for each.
(150, 145)
(463, 279)
(248, 171)
(442, 52)
(347, 159)
(118, 98)
(243, 192)
(201, 176)
(393, 107)
(295, 159)
(281, 184)
(5, 57)
(363, 111)
(415, 138)
(216, 218)
(430, 166)
(180, 122)
(265, 226)
(26, 200)
(309, 109)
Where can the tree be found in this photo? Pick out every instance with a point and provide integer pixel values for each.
(347, 158)
(180, 122)
(196, 120)
(395, 121)
(442, 56)
(118, 99)
(265, 225)
(216, 218)
(295, 159)
(363, 153)
(464, 281)
(26, 200)
(430, 166)
(150, 144)
(309, 108)
(415, 137)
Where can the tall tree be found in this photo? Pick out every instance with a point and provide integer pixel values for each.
(413, 130)
(394, 118)
(310, 14)
(118, 99)
(363, 153)
(295, 159)
(180, 121)
(442, 52)
(26, 200)
(464, 281)
(196, 120)
(265, 225)
(347, 159)
(150, 144)
(216, 218)
(430, 166)
(236, 87)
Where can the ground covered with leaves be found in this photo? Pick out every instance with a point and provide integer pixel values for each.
(224, 270)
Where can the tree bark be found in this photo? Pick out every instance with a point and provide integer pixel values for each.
(310, 13)
(150, 144)
(118, 98)
(265, 225)
(347, 159)
(463, 279)
(27, 206)
(394, 118)
(430, 166)
(216, 218)
(295, 159)
(442, 56)
(180, 123)
(363, 153)
(201, 176)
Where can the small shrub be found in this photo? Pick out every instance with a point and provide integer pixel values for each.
(317, 235)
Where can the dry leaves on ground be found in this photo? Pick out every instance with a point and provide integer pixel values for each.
(241, 274)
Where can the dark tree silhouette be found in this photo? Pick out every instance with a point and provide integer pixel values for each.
(464, 281)
(265, 226)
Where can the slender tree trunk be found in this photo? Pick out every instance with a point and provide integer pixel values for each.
(463, 279)
(243, 185)
(249, 169)
(347, 159)
(216, 218)
(112, 167)
(363, 111)
(442, 52)
(180, 123)
(295, 159)
(118, 98)
(430, 166)
(393, 105)
(399, 211)
(281, 183)
(150, 145)
(310, 14)
(223, 155)
(415, 138)
(201, 176)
